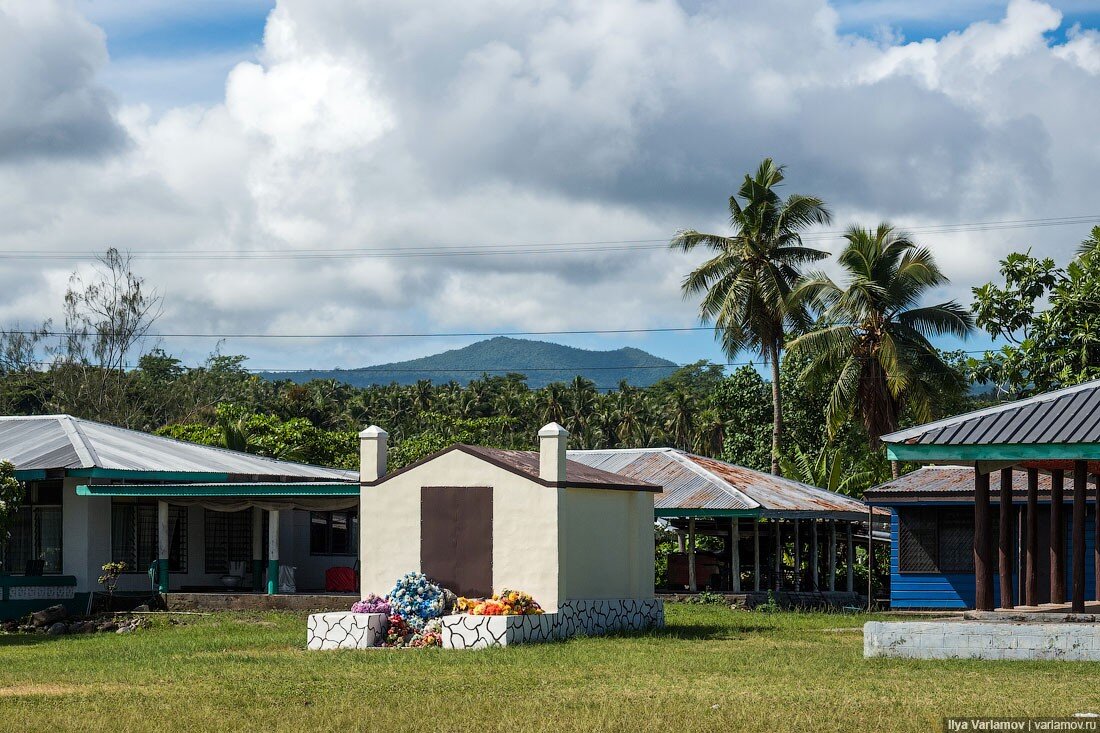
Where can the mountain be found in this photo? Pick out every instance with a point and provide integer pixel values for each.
(543, 362)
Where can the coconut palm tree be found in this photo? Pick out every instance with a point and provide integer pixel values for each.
(747, 282)
(873, 336)
(1091, 243)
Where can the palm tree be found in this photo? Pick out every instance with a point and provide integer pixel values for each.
(873, 335)
(680, 418)
(828, 470)
(1091, 243)
(747, 282)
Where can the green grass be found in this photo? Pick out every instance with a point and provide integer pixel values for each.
(712, 669)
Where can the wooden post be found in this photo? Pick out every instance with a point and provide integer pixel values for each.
(1080, 486)
(870, 559)
(983, 544)
(679, 541)
(692, 586)
(832, 555)
(797, 559)
(778, 554)
(1004, 543)
(851, 560)
(756, 554)
(1057, 537)
(1031, 568)
(815, 577)
(1096, 540)
(735, 540)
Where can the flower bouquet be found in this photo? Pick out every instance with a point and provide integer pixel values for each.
(372, 604)
(416, 600)
(506, 603)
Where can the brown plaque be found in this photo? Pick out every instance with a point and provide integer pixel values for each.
(456, 538)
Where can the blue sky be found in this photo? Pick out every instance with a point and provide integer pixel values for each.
(387, 124)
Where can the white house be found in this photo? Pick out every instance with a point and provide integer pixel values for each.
(98, 493)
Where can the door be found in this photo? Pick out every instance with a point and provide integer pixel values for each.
(456, 538)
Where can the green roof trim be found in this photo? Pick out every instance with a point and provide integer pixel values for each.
(30, 474)
(707, 512)
(168, 491)
(998, 452)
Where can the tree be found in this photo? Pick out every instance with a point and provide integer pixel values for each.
(12, 492)
(830, 469)
(1047, 349)
(746, 284)
(1091, 243)
(873, 336)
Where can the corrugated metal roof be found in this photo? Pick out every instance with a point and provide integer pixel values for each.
(695, 482)
(938, 482)
(1070, 415)
(576, 473)
(65, 442)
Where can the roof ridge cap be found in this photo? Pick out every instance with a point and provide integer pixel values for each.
(83, 447)
(682, 458)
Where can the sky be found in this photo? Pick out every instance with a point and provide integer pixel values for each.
(183, 132)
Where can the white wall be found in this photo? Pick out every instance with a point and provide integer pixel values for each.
(525, 519)
(607, 537)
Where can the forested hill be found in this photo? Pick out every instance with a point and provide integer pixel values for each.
(541, 361)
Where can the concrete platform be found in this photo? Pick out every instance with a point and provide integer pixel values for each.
(307, 602)
(993, 636)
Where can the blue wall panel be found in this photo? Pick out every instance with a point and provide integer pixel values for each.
(956, 590)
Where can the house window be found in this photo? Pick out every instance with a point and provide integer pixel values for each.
(939, 539)
(134, 536)
(334, 533)
(36, 532)
(228, 539)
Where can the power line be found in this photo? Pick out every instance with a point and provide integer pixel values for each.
(506, 249)
(466, 334)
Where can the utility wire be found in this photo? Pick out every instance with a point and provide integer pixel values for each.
(531, 248)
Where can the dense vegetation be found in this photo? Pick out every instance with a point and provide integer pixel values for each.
(852, 360)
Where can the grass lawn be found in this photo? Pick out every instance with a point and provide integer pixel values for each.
(712, 669)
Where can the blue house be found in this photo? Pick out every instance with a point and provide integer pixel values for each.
(932, 537)
(1006, 515)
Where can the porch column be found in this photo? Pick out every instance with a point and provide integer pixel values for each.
(735, 546)
(778, 555)
(257, 549)
(815, 573)
(1004, 544)
(1031, 566)
(1080, 486)
(273, 552)
(851, 560)
(691, 555)
(797, 560)
(163, 546)
(983, 545)
(1057, 537)
(756, 554)
(1096, 539)
(832, 555)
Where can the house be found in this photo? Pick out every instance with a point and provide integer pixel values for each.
(479, 520)
(205, 516)
(1014, 513)
(787, 536)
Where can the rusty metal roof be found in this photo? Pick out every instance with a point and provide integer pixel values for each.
(45, 442)
(692, 482)
(577, 474)
(1066, 416)
(933, 483)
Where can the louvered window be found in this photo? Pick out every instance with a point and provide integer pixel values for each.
(939, 540)
(228, 539)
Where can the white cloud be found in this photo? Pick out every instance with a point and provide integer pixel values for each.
(392, 125)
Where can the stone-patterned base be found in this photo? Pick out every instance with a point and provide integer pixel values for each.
(582, 617)
(345, 630)
(41, 592)
(982, 640)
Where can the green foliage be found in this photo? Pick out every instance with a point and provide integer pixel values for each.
(833, 470)
(12, 492)
(110, 576)
(707, 598)
(872, 341)
(745, 399)
(1047, 348)
(769, 606)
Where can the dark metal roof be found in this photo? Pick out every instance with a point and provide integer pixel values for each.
(65, 442)
(694, 482)
(933, 483)
(1067, 416)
